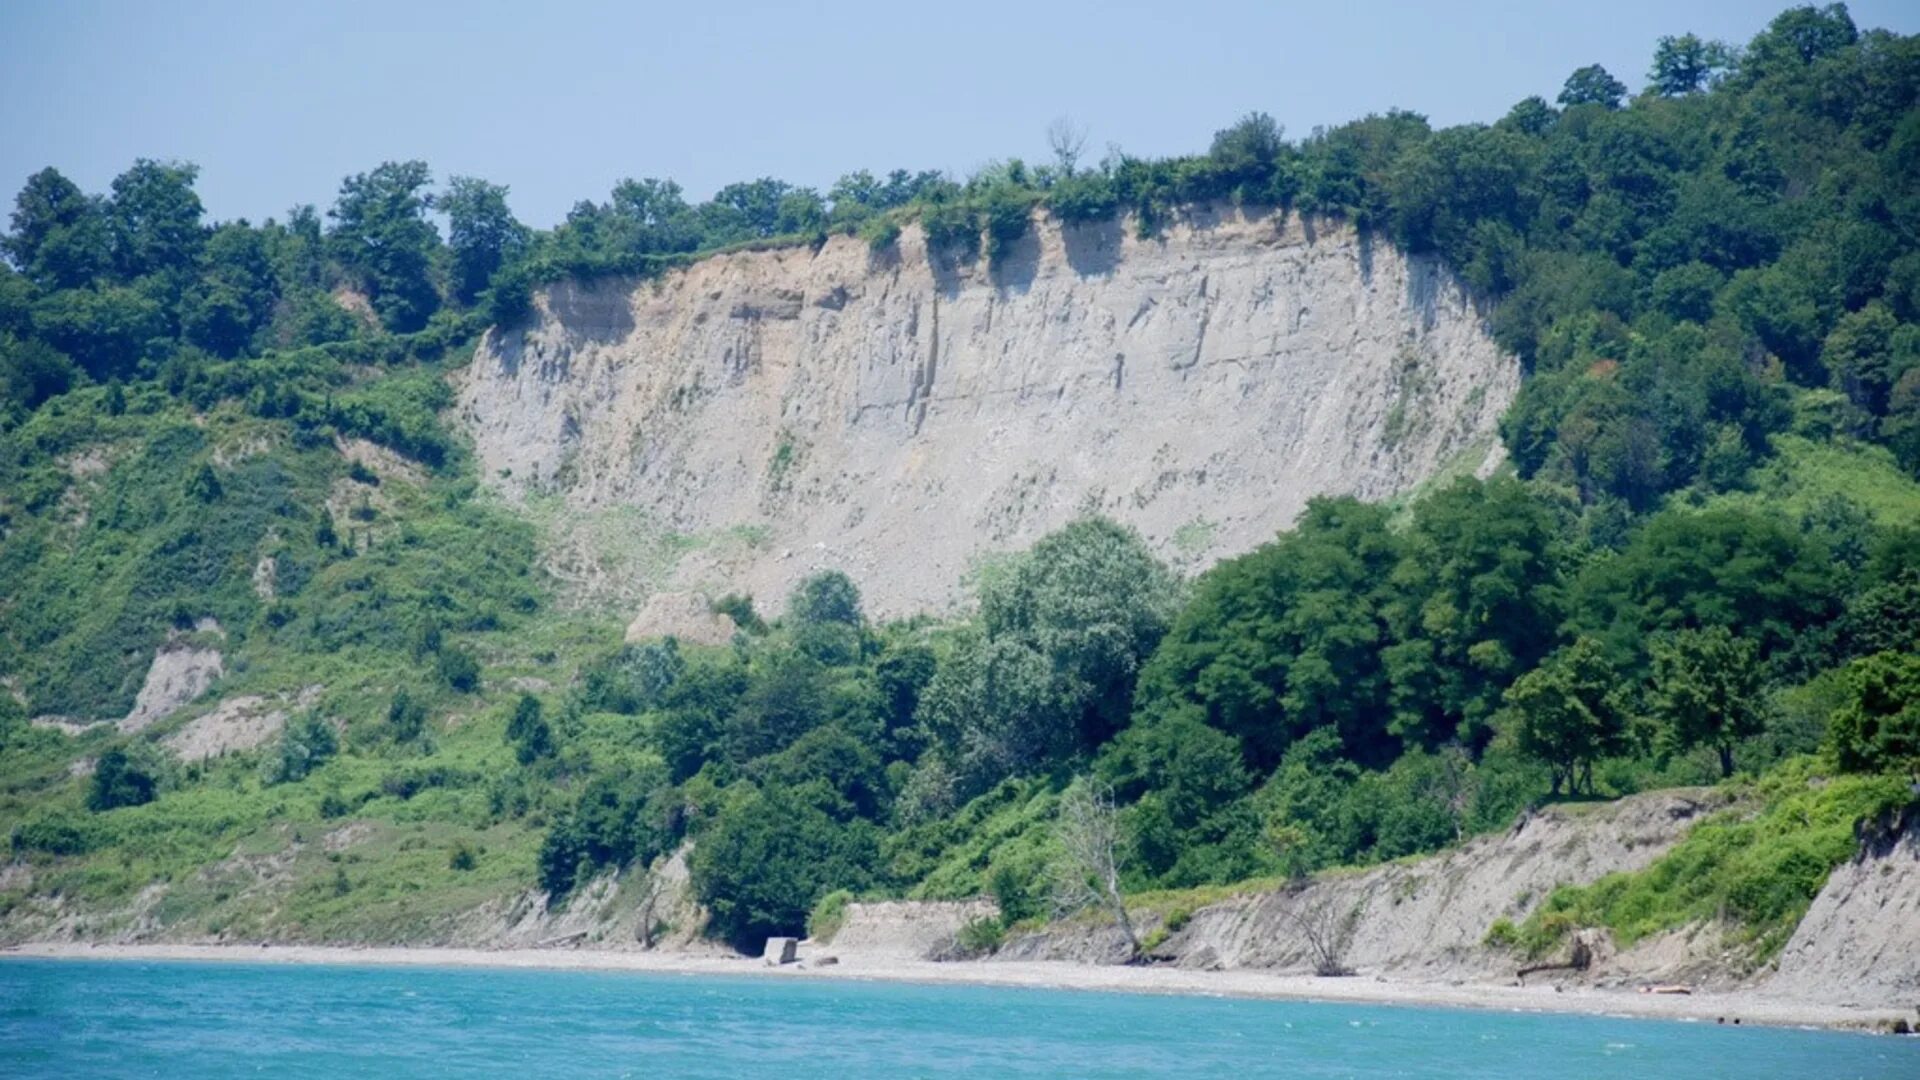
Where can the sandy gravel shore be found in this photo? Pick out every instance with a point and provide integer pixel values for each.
(1740, 1007)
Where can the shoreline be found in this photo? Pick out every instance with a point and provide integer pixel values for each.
(1742, 1007)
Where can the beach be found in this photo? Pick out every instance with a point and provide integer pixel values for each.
(1739, 1007)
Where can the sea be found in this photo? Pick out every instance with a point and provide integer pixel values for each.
(126, 1018)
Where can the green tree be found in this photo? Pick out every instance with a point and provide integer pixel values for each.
(1250, 148)
(235, 296)
(204, 485)
(1289, 638)
(406, 716)
(1867, 354)
(824, 616)
(1685, 64)
(60, 238)
(1708, 690)
(381, 234)
(109, 330)
(769, 856)
(1800, 36)
(307, 744)
(989, 708)
(1092, 601)
(689, 727)
(528, 731)
(619, 817)
(1684, 569)
(637, 678)
(154, 219)
(1591, 85)
(787, 697)
(827, 597)
(482, 234)
(1477, 601)
(123, 777)
(1877, 726)
(31, 371)
(1565, 714)
(459, 670)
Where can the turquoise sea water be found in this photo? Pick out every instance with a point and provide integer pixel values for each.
(81, 1018)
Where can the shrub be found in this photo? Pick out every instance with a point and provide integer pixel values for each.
(121, 779)
(406, 716)
(979, 937)
(1502, 934)
(459, 670)
(1082, 198)
(53, 834)
(1877, 727)
(1009, 214)
(528, 731)
(880, 233)
(951, 228)
(829, 915)
(306, 745)
(1014, 892)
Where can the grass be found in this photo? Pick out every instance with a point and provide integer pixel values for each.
(952, 858)
(1803, 473)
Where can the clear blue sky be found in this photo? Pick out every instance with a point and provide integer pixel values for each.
(277, 101)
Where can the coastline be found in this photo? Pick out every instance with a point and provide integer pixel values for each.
(1736, 1007)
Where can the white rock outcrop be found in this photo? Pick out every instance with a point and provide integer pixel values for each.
(899, 416)
(179, 674)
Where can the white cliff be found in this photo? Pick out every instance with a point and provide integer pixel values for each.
(899, 417)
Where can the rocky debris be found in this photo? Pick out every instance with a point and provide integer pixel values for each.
(266, 577)
(1200, 959)
(346, 836)
(179, 674)
(237, 724)
(781, 950)
(901, 418)
(384, 463)
(684, 615)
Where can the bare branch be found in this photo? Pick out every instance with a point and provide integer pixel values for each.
(1088, 874)
(1067, 139)
(1327, 930)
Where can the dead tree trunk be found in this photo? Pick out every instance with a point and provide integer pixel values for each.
(1092, 858)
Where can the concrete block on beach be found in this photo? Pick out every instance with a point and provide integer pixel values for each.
(781, 950)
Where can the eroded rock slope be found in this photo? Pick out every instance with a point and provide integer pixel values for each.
(898, 416)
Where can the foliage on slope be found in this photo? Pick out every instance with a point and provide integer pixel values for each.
(1754, 870)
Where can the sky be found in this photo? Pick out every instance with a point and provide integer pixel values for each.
(276, 102)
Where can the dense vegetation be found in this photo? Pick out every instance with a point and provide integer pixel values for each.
(1706, 563)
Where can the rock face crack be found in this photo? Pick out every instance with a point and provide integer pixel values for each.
(923, 380)
(1241, 412)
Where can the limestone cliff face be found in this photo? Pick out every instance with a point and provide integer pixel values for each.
(899, 416)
